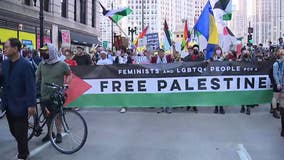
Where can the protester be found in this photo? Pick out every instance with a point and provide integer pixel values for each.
(276, 80)
(218, 56)
(69, 59)
(82, 58)
(36, 57)
(27, 54)
(19, 94)
(122, 58)
(62, 54)
(51, 70)
(246, 57)
(104, 60)
(161, 58)
(231, 56)
(194, 55)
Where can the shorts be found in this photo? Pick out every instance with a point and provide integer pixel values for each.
(275, 89)
(49, 105)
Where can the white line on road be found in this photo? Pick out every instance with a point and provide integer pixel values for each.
(39, 149)
(243, 153)
(42, 147)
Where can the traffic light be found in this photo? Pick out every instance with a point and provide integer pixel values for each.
(250, 30)
(250, 41)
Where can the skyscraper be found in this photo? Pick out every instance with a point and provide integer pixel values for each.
(154, 14)
(267, 18)
(239, 22)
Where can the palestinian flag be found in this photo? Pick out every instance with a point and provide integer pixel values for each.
(140, 36)
(167, 37)
(226, 6)
(116, 14)
(186, 37)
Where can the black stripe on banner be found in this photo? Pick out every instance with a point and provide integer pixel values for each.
(187, 69)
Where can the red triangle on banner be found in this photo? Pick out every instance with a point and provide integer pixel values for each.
(77, 88)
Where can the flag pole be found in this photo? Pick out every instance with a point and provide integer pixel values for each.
(120, 29)
(112, 34)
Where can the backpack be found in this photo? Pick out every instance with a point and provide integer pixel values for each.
(271, 73)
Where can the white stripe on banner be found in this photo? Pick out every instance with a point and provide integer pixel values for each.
(179, 84)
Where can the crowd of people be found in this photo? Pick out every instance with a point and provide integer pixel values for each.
(23, 67)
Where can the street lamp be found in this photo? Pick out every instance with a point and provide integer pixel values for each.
(41, 18)
(132, 31)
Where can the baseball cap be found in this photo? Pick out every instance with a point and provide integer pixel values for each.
(44, 48)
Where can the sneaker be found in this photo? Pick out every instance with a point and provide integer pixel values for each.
(282, 134)
(275, 114)
(46, 138)
(188, 108)
(243, 109)
(168, 110)
(58, 138)
(216, 110)
(248, 111)
(222, 111)
(195, 109)
(123, 110)
(161, 111)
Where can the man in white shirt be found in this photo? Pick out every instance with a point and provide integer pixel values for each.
(104, 60)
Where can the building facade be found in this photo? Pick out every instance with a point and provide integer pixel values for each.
(154, 13)
(266, 17)
(239, 23)
(80, 17)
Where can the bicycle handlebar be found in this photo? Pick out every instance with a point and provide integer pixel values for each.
(56, 86)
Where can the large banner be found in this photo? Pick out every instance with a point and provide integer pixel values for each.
(173, 85)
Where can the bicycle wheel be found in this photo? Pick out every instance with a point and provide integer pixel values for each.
(2, 113)
(73, 129)
(32, 121)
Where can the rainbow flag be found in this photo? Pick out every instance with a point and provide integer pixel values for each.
(186, 37)
(140, 36)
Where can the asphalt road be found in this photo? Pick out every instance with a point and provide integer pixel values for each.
(142, 134)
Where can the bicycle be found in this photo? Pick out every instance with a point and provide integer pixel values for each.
(63, 118)
(2, 113)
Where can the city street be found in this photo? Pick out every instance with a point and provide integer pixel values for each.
(142, 134)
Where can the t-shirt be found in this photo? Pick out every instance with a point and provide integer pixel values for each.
(71, 62)
(83, 60)
(51, 73)
(104, 62)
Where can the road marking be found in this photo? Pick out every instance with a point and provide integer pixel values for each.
(42, 147)
(243, 153)
(39, 149)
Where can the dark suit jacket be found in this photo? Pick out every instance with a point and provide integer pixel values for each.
(19, 91)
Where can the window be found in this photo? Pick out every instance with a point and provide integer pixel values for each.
(83, 11)
(64, 8)
(94, 13)
(46, 5)
(27, 2)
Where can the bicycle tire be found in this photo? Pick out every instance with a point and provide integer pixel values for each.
(64, 137)
(31, 125)
(2, 113)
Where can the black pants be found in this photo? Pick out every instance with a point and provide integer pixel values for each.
(282, 118)
(19, 129)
